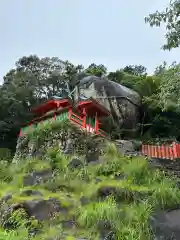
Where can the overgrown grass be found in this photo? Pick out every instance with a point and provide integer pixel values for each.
(120, 194)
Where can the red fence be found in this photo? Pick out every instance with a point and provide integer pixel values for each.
(162, 151)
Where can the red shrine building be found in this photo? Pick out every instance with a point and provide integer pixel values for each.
(86, 114)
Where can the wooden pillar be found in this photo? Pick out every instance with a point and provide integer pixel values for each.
(84, 118)
(21, 133)
(96, 124)
(70, 113)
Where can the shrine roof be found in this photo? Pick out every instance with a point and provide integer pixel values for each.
(50, 105)
(91, 105)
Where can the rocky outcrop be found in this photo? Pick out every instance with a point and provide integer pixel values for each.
(122, 102)
(68, 140)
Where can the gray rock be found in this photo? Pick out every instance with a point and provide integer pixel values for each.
(126, 147)
(122, 102)
(42, 209)
(92, 157)
(75, 163)
(7, 197)
(30, 192)
(84, 200)
(37, 177)
(166, 225)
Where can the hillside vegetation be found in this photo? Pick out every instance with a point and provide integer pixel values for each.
(63, 197)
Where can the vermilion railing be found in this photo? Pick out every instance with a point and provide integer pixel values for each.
(162, 151)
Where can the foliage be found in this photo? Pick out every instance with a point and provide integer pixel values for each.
(35, 79)
(124, 213)
(137, 70)
(170, 18)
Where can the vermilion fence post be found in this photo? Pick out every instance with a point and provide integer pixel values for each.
(156, 152)
(20, 134)
(178, 150)
(163, 151)
(146, 149)
(152, 153)
(167, 151)
(159, 151)
(149, 150)
(70, 113)
(175, 152)
(171, 152)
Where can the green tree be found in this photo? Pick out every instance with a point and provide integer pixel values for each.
(33, 80)
(169, 95)
(137, 70)
(170, 18)
(97, 70)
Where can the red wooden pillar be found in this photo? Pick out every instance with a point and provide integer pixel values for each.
(155, 151)
(70, 113)
(20, 134)
(163, 152)
(84, 118)
(171, 152)
(55, 116)
(96, 124)
(159, 152)
(175, 150)
(167, 152)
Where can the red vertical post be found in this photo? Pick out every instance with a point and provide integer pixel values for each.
(163, 151)
(178, 150)
(146, 149)
(156, 152)
(167, 151)
(84, 118)
(55, 116)
(175, 150)
(171, 152)
(96, 124)
(152, 151)
(159, 152)
(20, 134)
(70, 113)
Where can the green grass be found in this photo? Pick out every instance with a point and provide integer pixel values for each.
(135, 192)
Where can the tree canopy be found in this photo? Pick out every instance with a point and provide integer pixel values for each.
(170, 18)
(35, 79)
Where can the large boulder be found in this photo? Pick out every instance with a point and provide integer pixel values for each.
(122, 102)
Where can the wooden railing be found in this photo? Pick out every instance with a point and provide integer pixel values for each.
(162, 151)
(75, 118)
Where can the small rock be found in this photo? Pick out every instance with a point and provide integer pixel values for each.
(97, 180)
(31, 193)
(42, 209)
(6, 197)
(75, 163)
(37, 176)
(92, 157)
(84, 200)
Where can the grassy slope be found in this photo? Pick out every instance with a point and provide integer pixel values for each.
(137, 192)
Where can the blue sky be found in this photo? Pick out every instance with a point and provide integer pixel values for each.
(83, 31)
